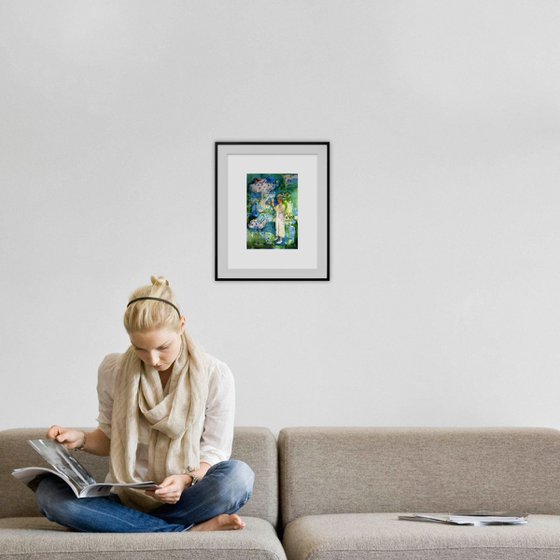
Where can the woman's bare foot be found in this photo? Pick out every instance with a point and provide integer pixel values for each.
(222, 522)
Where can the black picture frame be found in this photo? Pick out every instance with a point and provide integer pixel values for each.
(288, 185)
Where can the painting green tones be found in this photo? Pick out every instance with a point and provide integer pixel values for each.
(272, 211)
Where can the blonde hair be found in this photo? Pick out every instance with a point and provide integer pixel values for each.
(148, 314)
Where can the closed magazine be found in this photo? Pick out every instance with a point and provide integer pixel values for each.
(65, 465)
(477, 519)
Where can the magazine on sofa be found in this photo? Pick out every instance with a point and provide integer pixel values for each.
(476, 518)
(68, 468)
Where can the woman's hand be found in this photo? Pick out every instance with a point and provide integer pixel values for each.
(170, 490)
(70, 438)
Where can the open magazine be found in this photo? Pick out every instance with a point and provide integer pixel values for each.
(68, 468)
(477, 519)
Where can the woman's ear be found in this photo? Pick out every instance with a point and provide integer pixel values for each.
(182, 322)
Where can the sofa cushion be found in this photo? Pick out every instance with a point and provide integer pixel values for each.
(361, 470)
(382, 536)
(38, 539)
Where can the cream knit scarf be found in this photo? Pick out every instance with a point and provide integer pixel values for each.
(174, 419)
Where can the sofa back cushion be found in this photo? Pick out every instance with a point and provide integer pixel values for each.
(360, 470)
(255, 446)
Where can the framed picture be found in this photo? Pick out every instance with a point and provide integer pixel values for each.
(272, 211)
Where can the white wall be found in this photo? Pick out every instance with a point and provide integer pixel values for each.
(444, 123)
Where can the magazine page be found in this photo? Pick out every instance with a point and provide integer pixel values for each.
(476, 519)
(104, 488)
(28, 474)
(488, 518)
(63, 462)
(428, 518)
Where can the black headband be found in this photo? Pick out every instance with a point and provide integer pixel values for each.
(155, 299)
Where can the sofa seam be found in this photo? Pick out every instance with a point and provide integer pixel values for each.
(113, 551)
(318, 550)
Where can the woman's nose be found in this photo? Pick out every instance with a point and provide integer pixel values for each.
(153, 358)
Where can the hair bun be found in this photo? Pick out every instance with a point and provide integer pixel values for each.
(159, 281)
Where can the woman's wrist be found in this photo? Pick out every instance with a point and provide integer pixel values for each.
(82, 447)
(190, 479)
(186, 480)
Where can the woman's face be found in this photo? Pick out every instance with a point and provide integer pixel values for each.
(158, 348)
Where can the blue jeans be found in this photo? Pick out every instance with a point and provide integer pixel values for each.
(226, 487)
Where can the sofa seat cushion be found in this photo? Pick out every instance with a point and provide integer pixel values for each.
(383, 536)
(35, 538)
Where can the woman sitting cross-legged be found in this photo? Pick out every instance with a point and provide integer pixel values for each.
(166, 413)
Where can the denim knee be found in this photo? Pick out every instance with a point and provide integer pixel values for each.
(241, 479)
(243, 476)
(54, 497)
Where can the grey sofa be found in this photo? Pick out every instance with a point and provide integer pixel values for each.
(25, 535)
(342, 489)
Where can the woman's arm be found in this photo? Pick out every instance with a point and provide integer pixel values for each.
(217, 436)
